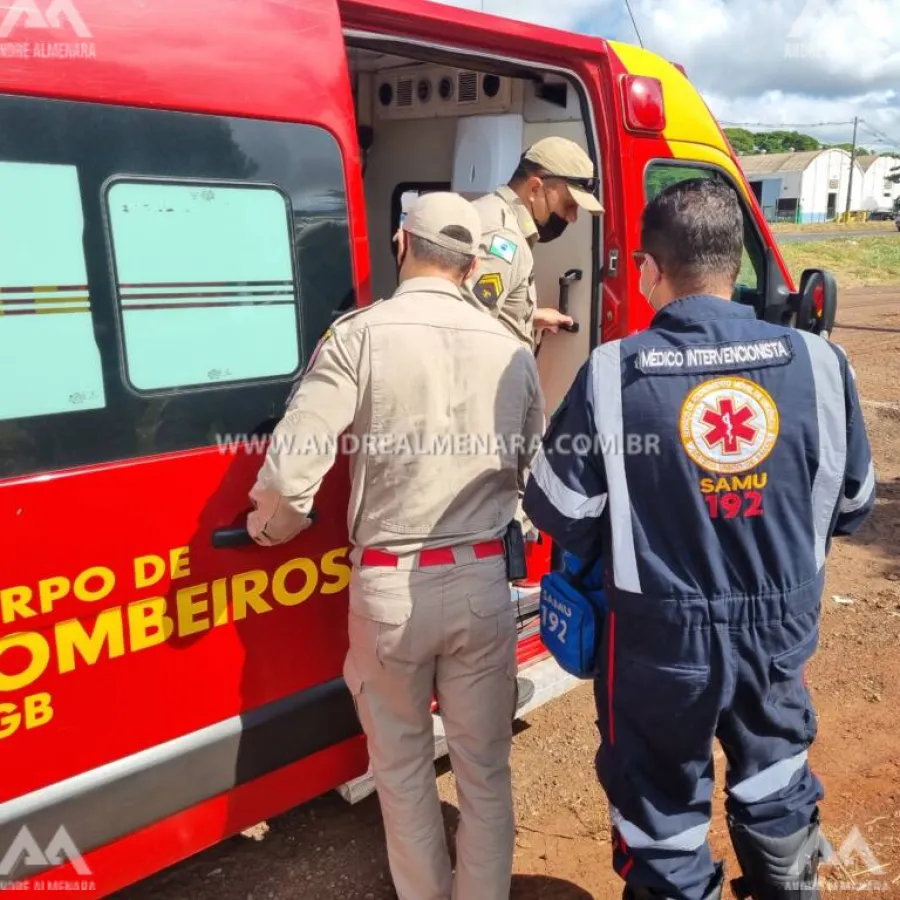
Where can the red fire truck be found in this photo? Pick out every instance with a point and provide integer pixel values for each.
(160, 687)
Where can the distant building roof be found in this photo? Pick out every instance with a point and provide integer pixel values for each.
(769, 163)
(866, 161)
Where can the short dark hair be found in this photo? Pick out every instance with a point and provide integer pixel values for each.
(524, 170)
(694, 230)
(451, 261)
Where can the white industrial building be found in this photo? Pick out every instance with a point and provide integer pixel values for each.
(807, 186)
(878, 191)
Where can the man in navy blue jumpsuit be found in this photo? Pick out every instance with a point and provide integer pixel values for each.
(723, 453)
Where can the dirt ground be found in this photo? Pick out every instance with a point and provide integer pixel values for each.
(331, 851)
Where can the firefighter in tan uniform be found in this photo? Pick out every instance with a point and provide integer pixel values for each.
(553, 179)
(422, 383)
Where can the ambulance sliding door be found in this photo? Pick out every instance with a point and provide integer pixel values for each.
(572, 258)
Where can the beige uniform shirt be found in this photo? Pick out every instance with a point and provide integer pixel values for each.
(503, 285)
(441, 408)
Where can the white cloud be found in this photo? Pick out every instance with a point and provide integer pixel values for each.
(565, 14)
(771, 61)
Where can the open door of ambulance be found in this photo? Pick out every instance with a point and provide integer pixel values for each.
(167, 272)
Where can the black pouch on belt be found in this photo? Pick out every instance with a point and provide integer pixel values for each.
(514, 545)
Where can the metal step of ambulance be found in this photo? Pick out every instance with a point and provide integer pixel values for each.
(539, 683)
(525, 600)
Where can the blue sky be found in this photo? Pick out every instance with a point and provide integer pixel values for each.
(806, 63)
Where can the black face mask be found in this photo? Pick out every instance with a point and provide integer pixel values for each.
(552, 229)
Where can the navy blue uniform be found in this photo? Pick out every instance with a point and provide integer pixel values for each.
(711, 458)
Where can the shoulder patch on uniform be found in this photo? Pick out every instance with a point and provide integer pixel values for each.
(503, 248)
(488, 288)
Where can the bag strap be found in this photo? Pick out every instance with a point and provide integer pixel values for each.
(588, 567)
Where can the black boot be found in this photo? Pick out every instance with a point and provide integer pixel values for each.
(524, 692)
(642, 893)
(778, 868)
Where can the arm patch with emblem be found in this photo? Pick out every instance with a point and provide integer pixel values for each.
(503, 248)
(489, 288)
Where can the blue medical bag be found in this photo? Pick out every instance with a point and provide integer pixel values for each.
(573, 611)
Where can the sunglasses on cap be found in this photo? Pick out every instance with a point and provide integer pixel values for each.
(586, 184)
(589, 184)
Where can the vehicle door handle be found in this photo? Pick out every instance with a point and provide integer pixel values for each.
(238, 536)
(564, 282)
(224, 538)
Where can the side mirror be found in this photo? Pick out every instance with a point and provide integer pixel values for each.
(815, 304)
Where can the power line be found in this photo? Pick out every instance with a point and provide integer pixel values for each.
(886, 138)
(880, 134)
(636, 29)
(787, 124)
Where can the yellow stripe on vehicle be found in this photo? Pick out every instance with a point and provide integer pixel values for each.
(691, 130)
(687, 116)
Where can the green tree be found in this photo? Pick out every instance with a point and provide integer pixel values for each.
(741, 140)
(860, 151)
(661, 177)
(785, 141)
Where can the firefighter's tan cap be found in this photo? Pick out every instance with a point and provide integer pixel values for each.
(563, 158)
(431, 213)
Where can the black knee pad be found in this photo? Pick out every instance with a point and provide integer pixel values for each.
(783, 868)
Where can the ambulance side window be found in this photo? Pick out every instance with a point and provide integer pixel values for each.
(660, 175)
(164, 277)
(49, 358)
(213, 301)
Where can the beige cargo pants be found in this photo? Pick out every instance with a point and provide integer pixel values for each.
(448, 630)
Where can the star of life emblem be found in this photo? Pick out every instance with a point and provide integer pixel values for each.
(728, 425)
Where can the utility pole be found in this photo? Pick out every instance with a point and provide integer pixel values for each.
(852, 160)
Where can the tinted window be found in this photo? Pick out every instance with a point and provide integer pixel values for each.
(661, 175)
(111, 372)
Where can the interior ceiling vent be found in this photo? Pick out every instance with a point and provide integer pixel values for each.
(415, 92)
(404, 92)
(467, 87)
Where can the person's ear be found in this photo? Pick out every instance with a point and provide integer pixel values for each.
(473, 268)
(653, 270)
(400, 242)
(535, 187)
